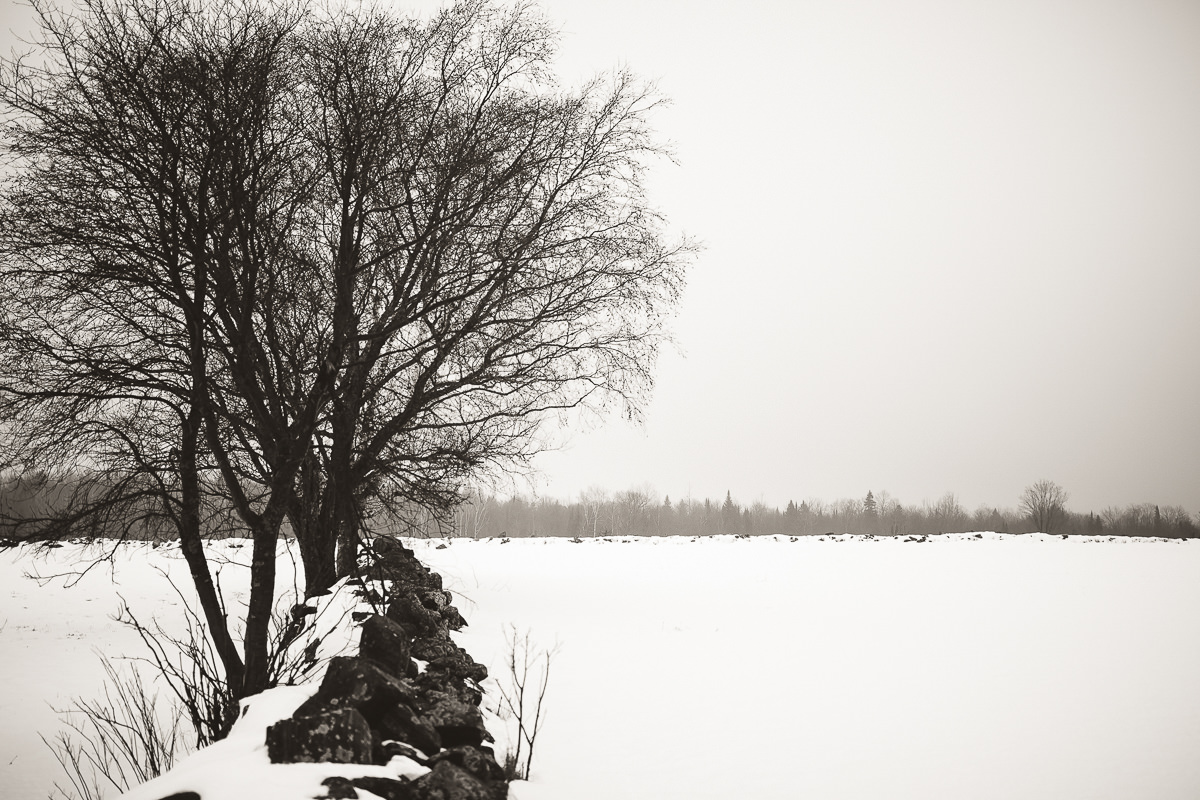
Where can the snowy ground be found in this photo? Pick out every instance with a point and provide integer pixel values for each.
(827, 667)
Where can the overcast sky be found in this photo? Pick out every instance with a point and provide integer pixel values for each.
(951, 246)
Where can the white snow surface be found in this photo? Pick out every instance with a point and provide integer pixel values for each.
(966, 666)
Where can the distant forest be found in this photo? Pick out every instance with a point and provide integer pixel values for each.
(639, 512)
(642, 512)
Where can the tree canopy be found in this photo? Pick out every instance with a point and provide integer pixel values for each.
(264, 268)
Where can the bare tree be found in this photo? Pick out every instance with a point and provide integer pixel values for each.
(593, 501)
(947, 515)
(1045, 504)
(630, 510)
(151, 193)
(264, 265)
(474, 512)
(490, 236)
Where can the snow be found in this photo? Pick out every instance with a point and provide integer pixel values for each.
(989, 666)
(238, 767)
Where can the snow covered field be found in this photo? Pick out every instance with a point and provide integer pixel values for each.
(827, 667)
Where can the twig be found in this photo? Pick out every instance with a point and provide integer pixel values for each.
(516, 701)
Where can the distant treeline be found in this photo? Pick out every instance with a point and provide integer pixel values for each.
(29, 501)
(641, 512)
(637, 512)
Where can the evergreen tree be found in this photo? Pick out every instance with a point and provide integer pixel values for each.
(730, 515)
(791, 518)
(869, 506)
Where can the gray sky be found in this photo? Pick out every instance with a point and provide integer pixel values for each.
(951, 245)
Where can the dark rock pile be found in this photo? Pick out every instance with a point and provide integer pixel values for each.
(380, 704)
(409, 692)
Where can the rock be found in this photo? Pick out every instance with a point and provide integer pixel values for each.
(438, 711)
(438, 680)
(479, 761)
(459, 665)
(383, 547)
(357, 683)
(387, 788)
(414, 618)
(434, 599)
(395, 562)
(391, 748)
(338, 788)
(385, 701)
(182, 796)
(456, 722)
(450, 782)
(428, 648)
(443, 655)
(401, 723)
(385, 643)
(454, 620)
(341, 736)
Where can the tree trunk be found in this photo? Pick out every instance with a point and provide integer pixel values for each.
(347, 551)
(318, 552)
(315, 536)
(342, 476)
(262, 599)
(191, 543)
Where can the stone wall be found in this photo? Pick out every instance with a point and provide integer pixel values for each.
(410, 697)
